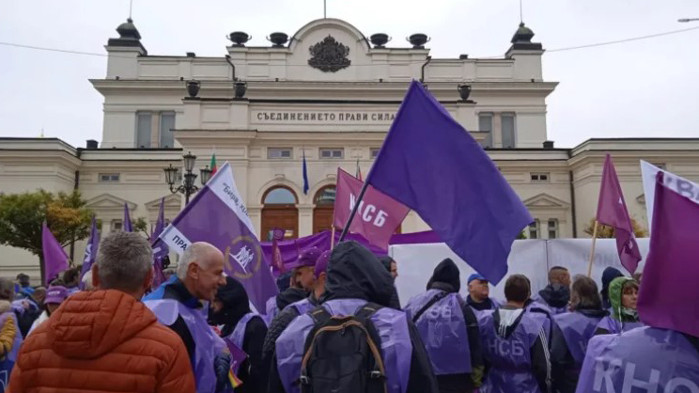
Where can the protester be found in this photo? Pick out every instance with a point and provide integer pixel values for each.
(296, 290)
(230, 311)
(449, 330)
(623, 295)
(71, 278)
(609, 274)
(24, 288)
(54, 297)
(571, 333)
(478, 292)
(556, 295)
(392, 267)
(178, 304)
(283, 283)
(10, 335)
(515, 343)
(358, 289)
(106, 340)
(29, 309)
(286, 316)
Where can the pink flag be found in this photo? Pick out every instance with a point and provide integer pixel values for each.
(55, 258)
(378, 215)
(277, 261)
(669, 293)
(611, 211)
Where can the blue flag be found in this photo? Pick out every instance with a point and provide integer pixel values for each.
(305, 174)
(90, 252)
(126, 226)
(431, 164)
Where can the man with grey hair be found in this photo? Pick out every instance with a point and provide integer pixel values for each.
(181, 303)
(106, 331)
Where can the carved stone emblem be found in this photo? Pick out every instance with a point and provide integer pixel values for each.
(329, 55)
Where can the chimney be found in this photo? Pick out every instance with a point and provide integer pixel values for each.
(548, 145)
(91, 144)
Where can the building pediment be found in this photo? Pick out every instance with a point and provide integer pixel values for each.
(109, 202)
(172, 202)
(546, 201)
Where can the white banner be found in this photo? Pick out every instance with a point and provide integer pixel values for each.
(681, 185)
(533, 258)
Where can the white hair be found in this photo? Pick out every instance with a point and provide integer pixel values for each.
(124, 260)
(197, 253)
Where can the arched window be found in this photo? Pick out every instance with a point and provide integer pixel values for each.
(279, 196)
(324, 201)
(325, 197)
(279, 211)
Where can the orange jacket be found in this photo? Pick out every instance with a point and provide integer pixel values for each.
(102, 341)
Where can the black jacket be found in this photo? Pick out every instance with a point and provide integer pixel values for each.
(235, 305)
(355, 273)
(563, 378)
(446, 278)
(555, 295)
(288, 296)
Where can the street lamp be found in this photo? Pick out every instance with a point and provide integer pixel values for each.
(685, 20)
(187, 186)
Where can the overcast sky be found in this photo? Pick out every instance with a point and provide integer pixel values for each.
(646, 88)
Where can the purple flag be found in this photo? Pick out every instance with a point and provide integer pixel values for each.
(431, 164)
(127, 227)
(90, 251)
(668, 297)
(277, 261)
(611, 210)
(160, 249)
(55, 258)
(218, 215)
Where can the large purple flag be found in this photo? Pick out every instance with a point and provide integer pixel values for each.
(431, 164)
(218, 215)
(55, 258)
(669, 293)
(127, 227)
(160, 249)
(611, 210)
(90, 251)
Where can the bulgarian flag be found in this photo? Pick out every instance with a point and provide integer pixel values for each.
(212, 165)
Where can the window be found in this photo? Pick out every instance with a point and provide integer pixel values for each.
(116, 226)
(508, 130)
(539, 177)
(332, 153)
(108, 177)
(553, 228)
(143, 129)
(534, 230)
(485, 124)
(374, 152)
(278, 152)
(167, 124)
(325, 197)
(280, 196)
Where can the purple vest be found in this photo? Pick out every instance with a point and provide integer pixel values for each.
(207, 343)
(647, 360)
(542, 304)
(272, 310)
(577, 330)
(510, 358)
(391, 325)
(443, 331)
(238, 335)
(615, 327)
(302, 306)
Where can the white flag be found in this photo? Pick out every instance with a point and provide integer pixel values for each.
(682, 186)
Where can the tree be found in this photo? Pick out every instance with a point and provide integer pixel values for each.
(141, 225)
(605, 232)
(22, 215)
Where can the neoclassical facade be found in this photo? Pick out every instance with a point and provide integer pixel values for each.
(327, 93)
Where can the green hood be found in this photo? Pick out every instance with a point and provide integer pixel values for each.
(616, 290)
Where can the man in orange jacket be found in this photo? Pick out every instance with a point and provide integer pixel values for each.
(106, 340)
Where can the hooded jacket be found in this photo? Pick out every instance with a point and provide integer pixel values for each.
(102, 341)
(290, 295)
(395, 300)
(355, 273)
(618, 312)
(555, 296)
(446, 278)
(609, 274)
(235, 305)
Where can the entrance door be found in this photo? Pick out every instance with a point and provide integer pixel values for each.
(279, 211)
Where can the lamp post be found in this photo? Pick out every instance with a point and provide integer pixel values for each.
(187, 186)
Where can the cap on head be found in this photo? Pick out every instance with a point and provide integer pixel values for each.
(308, 257)
(56, 295)
(322, 263)
(476, 276)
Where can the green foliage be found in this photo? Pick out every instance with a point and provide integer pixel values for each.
(605, 232)
(140, 225)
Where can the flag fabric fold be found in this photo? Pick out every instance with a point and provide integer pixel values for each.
(676, 183)
(55, 258)
(611, 211)
(238, 356)
(277, 261)
(432, 165)
(212, 164)
(160, 248)
(358, 173)
(90, 251)
(378, 215)
(127, 226)
(305, 174)
(668, 296)
(218, 215)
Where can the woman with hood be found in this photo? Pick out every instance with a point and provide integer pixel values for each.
(230, 312)
(571, 333)
(623, 295)
(391, 266)
(608, 275)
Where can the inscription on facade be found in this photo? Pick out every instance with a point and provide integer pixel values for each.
(323, 117)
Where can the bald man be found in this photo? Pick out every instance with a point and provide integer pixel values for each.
(178, 304)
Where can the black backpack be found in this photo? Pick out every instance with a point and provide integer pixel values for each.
(343, 354)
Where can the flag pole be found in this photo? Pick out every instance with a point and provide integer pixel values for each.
(592, 252)
(332, 238)
(354, 212)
